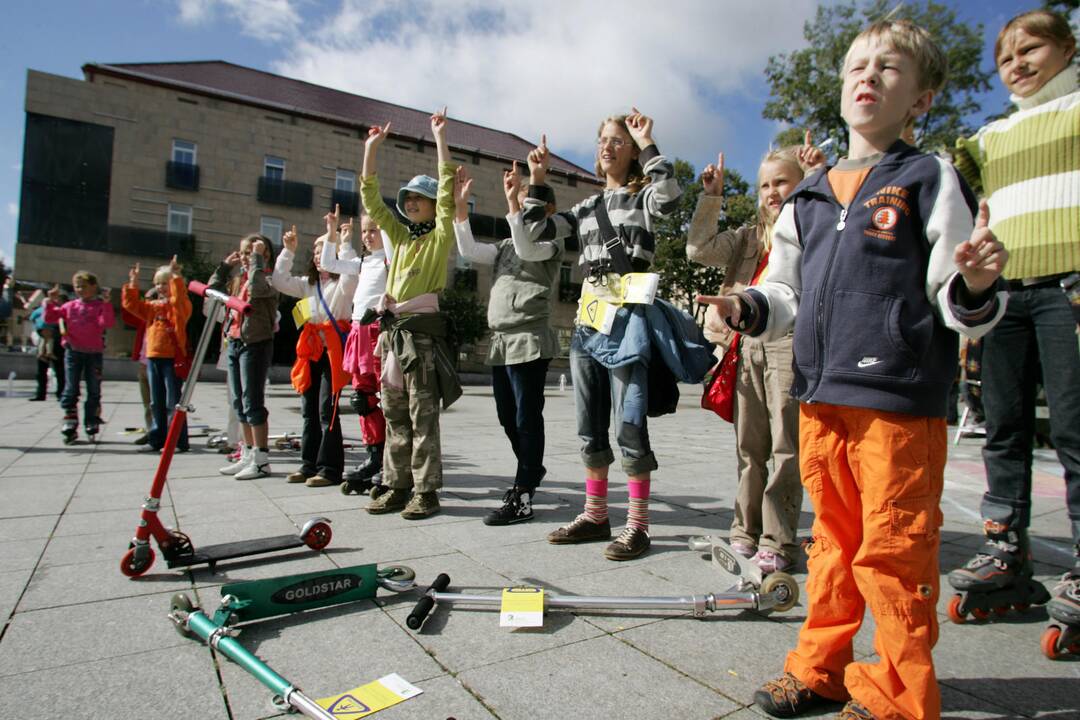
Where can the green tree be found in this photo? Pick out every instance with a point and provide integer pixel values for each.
(681, 279)
(804, 85)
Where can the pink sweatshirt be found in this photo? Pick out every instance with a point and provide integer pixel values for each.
(85, 322)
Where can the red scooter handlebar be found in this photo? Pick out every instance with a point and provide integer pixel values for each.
(230, 302)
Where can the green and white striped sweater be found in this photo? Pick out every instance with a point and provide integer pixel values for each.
(1028, 167)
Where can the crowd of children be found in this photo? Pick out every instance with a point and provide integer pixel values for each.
(851, 412)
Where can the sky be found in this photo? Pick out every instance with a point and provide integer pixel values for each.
(556, 67)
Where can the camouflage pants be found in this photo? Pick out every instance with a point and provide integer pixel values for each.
(413, 456)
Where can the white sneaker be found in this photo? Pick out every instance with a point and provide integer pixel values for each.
(245, 460)
(258, 466)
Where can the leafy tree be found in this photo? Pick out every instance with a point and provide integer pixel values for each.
(681, 279)
(469, 316)
(805, 84)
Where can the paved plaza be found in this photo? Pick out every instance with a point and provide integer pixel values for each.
(80, 640)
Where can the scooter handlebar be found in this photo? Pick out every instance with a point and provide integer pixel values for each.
(230, 302)
(425, 604)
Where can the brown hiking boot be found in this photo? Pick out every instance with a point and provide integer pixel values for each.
(855, 711)
(422, 505)
(390, 501)
(787, 696)
(582, 529)
(632, 542)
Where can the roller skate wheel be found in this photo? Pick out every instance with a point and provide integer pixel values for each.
(1049, 642)
(954, 610)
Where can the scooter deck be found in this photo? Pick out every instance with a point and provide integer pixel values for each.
(211, 554)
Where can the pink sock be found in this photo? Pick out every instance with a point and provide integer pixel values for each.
(596, 500)
(638, 513)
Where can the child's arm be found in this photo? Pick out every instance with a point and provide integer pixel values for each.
(526, 249)
(369, 188)
(131, 299)
(282, 279)
(444, 198)
(538, 226)
(466, 243)
(54, 310)
(178, 296)
(704, 243)
(661, 195)
(258, 282)
(340, 259)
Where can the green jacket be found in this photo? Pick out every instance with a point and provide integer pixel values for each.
(440, 328)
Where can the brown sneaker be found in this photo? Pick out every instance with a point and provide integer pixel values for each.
(855, 711)
(320, 481)
(582, 529)
(422, 505)
(787, 696)
(631, 543)
(390, 501)
(296, 477)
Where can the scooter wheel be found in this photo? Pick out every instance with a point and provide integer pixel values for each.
(180, 602)
(318, 536)
(785, 589)
(954, 610)
(131, 567)
(1049, 642)
(401, 573)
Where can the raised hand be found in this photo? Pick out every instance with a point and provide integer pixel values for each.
(233, 258)
(376, 135)
(133, 278)
(106, 294)
(438, 124)
(332, 220)
(810, 156)
(54, 292)
(511, 182)
(346, 231)
(538, 160)
(462, 190)
(981, 258)
(174, 266)
(640, 128)
(259, 248)
(712, 177)
(727, 306)
(289, 239)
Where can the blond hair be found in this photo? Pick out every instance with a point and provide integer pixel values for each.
(636, 178)
(907, 38)
(764, 218)
(162, 275)
(1041, 24)
(86, 276)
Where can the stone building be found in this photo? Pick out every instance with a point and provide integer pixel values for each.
(138, 162)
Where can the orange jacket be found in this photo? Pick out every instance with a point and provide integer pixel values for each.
(309, 348)
(166, 320)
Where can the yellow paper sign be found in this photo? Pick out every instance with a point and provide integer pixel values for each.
(301, 312)
(371, 698)
(596, 312)
(640, 287)
(522, 607)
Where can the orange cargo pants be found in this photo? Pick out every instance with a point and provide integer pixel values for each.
(875, 479)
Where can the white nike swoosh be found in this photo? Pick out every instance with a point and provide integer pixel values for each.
(866, 364)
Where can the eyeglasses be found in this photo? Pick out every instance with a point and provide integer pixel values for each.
(616, 143)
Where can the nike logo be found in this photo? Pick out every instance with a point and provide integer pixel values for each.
(868, 361)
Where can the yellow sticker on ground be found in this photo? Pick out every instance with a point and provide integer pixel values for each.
(371, 698)
(522, 607)
(301, 312)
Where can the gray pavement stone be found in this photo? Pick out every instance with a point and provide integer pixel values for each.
(21, 554)
(25, 528)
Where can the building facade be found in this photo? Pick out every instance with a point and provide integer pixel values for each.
(136, 163)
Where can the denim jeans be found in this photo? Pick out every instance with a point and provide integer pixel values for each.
(164, 394)
(597, 391)
(320, 442)
(59, 367)
(519, 402)
(1037, 336)
(248, 366)
(80, 366)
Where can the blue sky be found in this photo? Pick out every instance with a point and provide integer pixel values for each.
(525, 67)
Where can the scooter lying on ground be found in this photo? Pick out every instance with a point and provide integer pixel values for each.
(260, 599)
(775, 592)
(175, 546)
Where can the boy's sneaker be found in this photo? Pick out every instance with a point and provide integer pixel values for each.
(516, 507)
(242, 462)
(258, 466)
(422, 505)
(582, 529)
(855, 711)
(393, 500)
(770, 561)
(744, 548)
(787, 696)
(631, 543)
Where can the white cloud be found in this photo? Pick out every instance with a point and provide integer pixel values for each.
(557, 67)
(13, 209)
(264, 19)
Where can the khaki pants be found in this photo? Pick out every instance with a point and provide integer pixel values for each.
(413, 454)
(766, 420)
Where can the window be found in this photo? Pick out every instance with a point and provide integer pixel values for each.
(271, 228)
(184, 152)
(274, 168)
(179, 219)
(345, 180)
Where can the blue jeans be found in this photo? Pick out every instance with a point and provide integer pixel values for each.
(80, 366)
(248, 366)
(164, 394)
(519, 402)
(1037, 336)
(598, 390)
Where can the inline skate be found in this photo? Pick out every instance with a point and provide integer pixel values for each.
(998, 578)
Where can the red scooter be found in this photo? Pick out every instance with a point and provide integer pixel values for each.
(175, 546)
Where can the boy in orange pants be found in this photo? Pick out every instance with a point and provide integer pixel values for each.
(875, 263)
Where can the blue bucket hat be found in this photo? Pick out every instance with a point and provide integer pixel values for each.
(421, 185)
